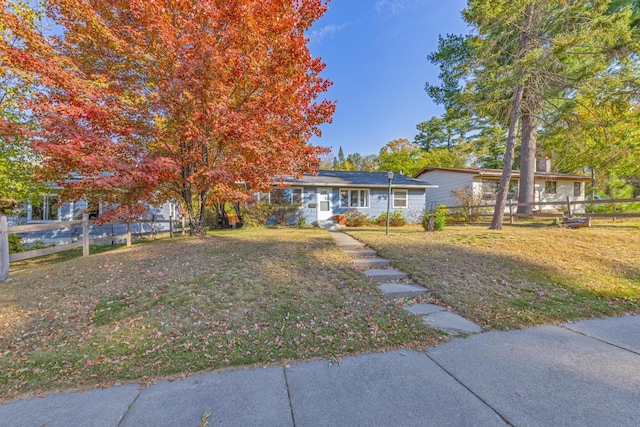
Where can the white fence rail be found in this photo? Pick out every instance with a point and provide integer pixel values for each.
(84, 242)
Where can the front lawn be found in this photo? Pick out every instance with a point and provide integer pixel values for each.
(525, 275)
(173, 307)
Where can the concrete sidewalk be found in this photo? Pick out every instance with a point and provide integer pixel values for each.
(576, 374)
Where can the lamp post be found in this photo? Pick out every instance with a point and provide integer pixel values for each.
(390, 176)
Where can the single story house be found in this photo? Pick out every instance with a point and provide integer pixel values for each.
(549, 186)
(49, 209)
(330, 193)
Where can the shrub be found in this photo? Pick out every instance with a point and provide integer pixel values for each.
(436, 220)
(440, 217)
(258, 214)
(262, 213)
(395, 219)
(466, 198)
(356, 218)
(15, 244)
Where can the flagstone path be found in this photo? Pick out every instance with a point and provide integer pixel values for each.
(397, 284)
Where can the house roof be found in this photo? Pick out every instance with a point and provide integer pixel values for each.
(326, 178)
(497, 173)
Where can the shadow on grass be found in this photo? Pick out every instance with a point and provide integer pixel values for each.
(497, 280)
(181, 306)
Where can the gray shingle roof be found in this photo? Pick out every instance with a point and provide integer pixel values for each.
(357, 179)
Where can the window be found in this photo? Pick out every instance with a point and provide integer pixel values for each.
(45, 210)
(550, 187)
(351, 198)
(283, 196)
(577, 189)
(513, 190)
(490, 189)
(400, 199)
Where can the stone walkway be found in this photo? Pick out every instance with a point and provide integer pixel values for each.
(397, 284)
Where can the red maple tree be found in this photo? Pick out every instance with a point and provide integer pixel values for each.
(151, 100)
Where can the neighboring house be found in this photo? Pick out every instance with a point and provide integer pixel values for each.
(549, 186)
(331, 193)
(49, 210)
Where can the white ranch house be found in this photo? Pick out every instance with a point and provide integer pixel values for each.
(549, 186)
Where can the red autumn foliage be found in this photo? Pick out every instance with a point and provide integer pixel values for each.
(149, 100)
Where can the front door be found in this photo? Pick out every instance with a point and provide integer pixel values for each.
(324, 205)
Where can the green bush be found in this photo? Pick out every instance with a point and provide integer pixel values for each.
(15, 244)
(436, 220)
(440, 217)
(355, 218)
(258, 214)
(395, 219)
(261, 213)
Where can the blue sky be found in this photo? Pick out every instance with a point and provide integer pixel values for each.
(376, 56)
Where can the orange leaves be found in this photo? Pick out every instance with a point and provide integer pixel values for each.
(159, 97)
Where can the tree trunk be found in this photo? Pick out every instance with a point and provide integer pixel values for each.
(194, 210)
(526, 187)
(503, 189)
(516, 105)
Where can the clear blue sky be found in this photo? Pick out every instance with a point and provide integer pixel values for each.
(375, 53)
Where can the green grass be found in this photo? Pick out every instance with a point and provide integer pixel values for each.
(525, 275)
(172, 307)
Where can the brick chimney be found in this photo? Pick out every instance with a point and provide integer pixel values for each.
(544, 165)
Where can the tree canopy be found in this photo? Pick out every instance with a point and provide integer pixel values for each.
(151, 100)
(540, 53)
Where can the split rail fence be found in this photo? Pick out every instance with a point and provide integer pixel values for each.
(567, 208)
(84, 240)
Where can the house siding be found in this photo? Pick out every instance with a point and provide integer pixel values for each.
(69, 211)
(309, 199)
(447, 182)
(564, 189)
(377, 203)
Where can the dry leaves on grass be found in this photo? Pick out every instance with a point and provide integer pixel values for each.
(523, 275)
(172, 307)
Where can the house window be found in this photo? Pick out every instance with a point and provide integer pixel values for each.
(296, 196)
(285, 196)
(513, 190)
(400, 199)
(577, 189)
(550, 187)
(490, 189)
(46, 209)
(351, 198)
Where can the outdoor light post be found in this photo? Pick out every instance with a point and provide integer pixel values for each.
(390, 176)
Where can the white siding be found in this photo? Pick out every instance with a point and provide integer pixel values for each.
(564, 189)
(447, 181)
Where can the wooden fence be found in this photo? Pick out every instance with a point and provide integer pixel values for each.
(85, 224)
(567, 208)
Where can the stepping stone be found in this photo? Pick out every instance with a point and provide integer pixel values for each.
(382, 275)
(424, 309)
(451, 323)
(343, 240)
(370, 262)
(360, 253)
(400, 290)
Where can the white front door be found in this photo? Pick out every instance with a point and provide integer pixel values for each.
(324, 205)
